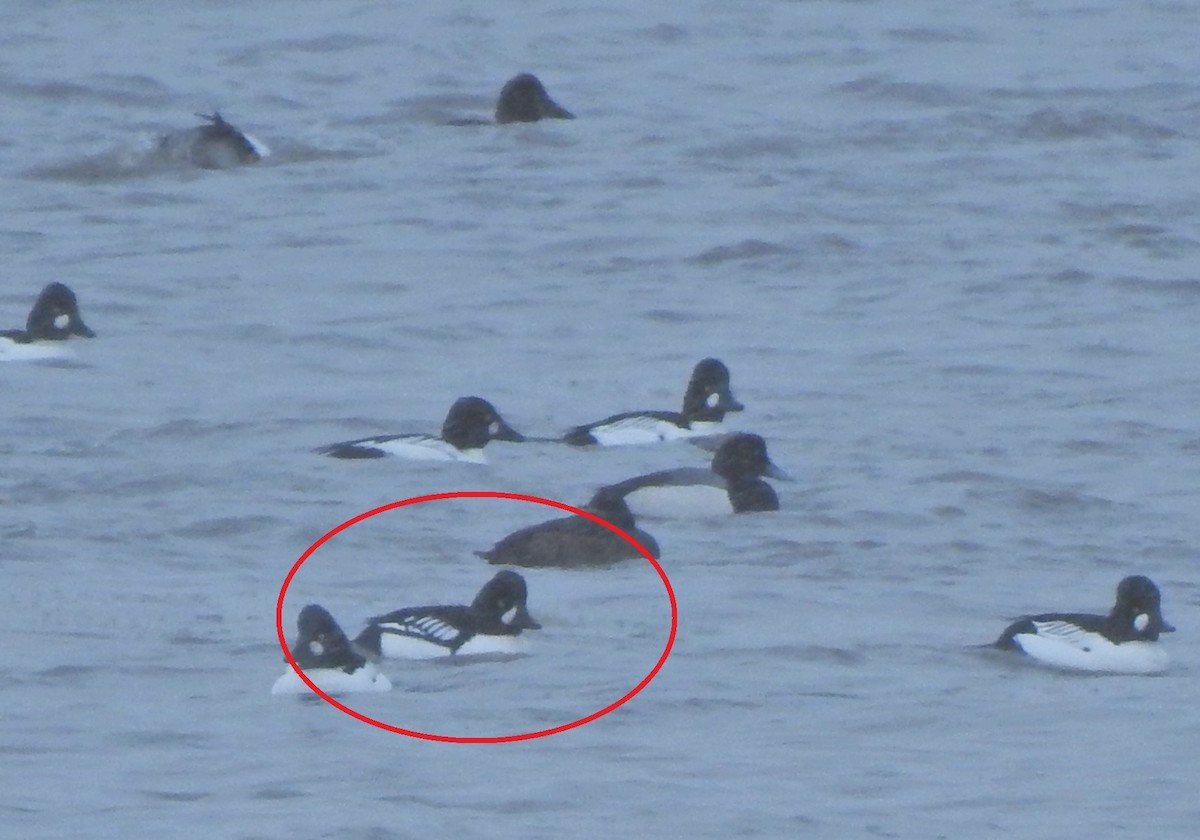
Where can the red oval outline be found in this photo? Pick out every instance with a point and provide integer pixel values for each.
(495, 739)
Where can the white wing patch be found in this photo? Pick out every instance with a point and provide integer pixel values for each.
(395, 646)
(1070, 634)
(424, 627)
(425, 448)
(640, 429)
(418, 637)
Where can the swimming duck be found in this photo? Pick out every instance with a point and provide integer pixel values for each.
(328, 659)
(217, 145)
(469, 425)
(491, 624)
(1124, 642)
(524, 99)
(575, 541)
(733, 484)
(54, 318)
(705, 403)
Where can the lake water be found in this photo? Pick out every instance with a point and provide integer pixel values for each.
(948, 252)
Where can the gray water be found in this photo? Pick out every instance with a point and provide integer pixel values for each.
(949, 254)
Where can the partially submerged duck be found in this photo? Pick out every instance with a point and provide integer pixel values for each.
(1123, 642)
(54, 318)
(524, 99)
(216, 145)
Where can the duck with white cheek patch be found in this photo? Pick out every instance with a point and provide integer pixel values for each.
(53, 319)
(1123, 642)
(470, 425)
(328, 658)
(491, 625)
(706, 401)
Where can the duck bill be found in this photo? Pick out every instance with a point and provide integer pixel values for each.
(508, 433)
(1163, 627)
(729, 403)
(775, 472)
(79, 328)
(553, 110)
(524, 621)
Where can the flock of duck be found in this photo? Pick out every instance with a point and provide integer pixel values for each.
(493, 623)
(1123, 641)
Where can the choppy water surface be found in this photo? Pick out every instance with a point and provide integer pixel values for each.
(949, 254)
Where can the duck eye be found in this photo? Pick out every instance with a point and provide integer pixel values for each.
(1141, 621)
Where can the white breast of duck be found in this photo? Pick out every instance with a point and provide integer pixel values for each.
(328, 659)
(366, 677)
